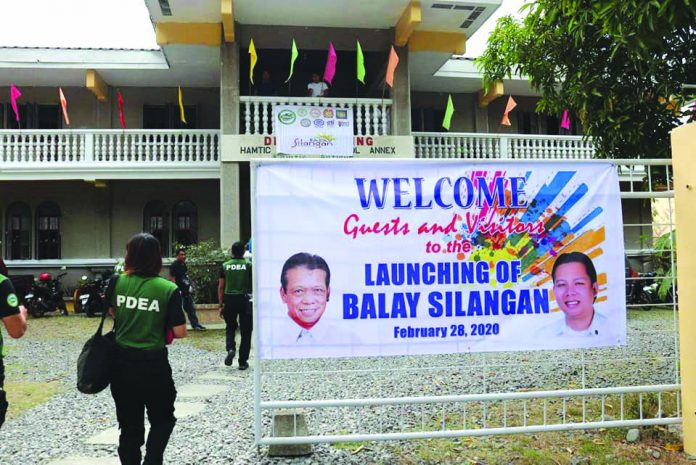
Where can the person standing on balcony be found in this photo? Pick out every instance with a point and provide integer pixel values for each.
(317, 88)
(234, 289)
(178, 274)
(146, 309)
(14, 317)
(266, 87)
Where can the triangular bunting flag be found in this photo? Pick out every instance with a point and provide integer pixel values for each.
(64, 106)
(253, 58)
(391, 67)
(449, 111)
(293, 57)
(14, 95)
(508, 108)
(182, 115)
(331, 59)
(360, 63)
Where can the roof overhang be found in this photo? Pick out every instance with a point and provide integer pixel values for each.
(190, 66)
(459, 75)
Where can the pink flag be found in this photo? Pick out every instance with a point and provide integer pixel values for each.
(64, 105)
(120, 110)
(14, 95)
(391, 67)
(508, 108)
(565, 120)
(330, 69)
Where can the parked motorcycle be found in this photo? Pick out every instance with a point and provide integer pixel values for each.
(46, 296)
(89, 297)
(647, 291)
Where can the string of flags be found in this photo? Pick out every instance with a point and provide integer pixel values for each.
(331, 62)
(15, 95)
(505, 121)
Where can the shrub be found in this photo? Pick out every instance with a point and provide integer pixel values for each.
(665, 247)
(203, 261)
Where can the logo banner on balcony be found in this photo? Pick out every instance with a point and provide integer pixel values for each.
(385, 257)
(316, 130)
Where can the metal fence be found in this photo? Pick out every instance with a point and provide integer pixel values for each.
(477, 394)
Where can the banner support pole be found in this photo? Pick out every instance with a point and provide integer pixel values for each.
(683, 140)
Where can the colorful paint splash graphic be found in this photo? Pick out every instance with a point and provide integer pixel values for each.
(553, 232)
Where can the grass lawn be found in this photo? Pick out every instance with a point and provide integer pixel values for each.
(212, 340)
(24, 392)
(601, 447)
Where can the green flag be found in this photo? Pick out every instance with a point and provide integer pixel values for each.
(449, 111)
(361, 64)
(293, 57)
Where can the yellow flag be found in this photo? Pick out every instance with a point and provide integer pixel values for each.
(182, 116)
(252, 60)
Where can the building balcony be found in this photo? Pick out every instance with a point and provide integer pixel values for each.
(109, 154)
(372, 117)
(494, 146)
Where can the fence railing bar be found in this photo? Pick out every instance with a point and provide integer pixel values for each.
(466, 433)
(564, 393)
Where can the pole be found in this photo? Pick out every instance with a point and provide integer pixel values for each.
(683, 141)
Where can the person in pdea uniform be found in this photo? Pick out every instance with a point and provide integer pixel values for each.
(145, 308)
(575, 289)
(14, 318)
(234, 289)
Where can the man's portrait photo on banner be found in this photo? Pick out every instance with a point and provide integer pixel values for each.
(575, 288)
(304, 288)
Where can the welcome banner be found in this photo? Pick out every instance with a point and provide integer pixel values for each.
(313, 130)
(379, 257)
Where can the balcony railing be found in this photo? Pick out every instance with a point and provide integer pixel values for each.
(372, 117)
(472, 145)
(137, 147)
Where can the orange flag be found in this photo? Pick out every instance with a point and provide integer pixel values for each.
(64, 104)
(391, 66)
(508, 108)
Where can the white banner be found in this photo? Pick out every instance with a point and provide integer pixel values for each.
(315, 130)
(380, 257)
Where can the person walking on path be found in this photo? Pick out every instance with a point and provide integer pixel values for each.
(178, 273)
(146, 309)
(234, 289)
(14, 318)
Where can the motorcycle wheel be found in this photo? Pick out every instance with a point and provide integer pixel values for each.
(645, 299)
(35, 309)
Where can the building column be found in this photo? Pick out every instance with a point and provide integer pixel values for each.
(401, 96)
(229, 124)
(684, 164)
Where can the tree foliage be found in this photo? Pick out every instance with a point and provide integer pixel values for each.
(618, 66)
(203, 261)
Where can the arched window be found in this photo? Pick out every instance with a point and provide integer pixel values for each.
(185, 223)
(18, 232)
(156, 222)
(47, 231)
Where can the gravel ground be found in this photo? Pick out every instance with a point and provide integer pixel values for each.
(223, 433)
